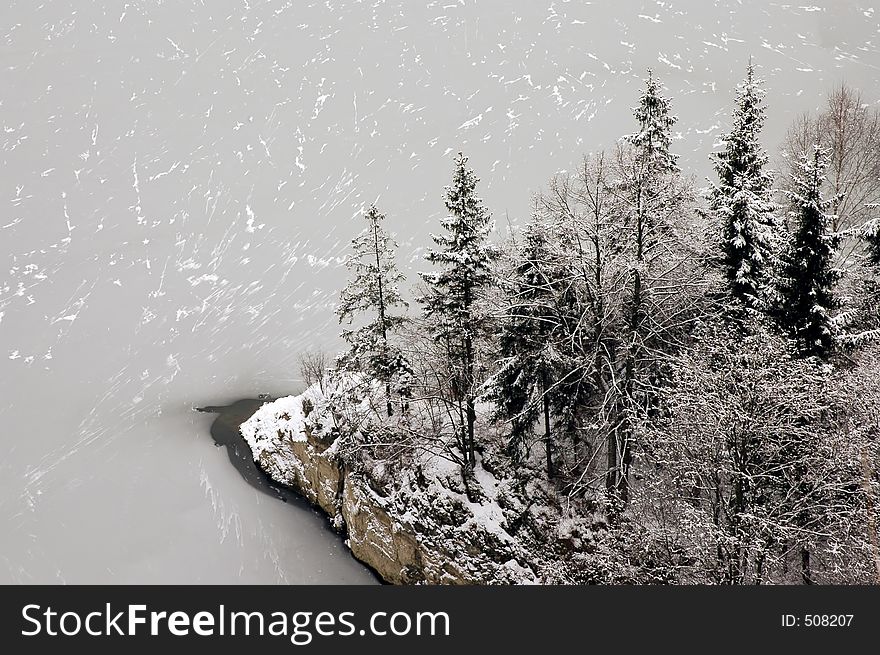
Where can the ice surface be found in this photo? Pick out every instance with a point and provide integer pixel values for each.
(179, 183)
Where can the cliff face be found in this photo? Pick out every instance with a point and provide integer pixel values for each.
(432, 533)
(391, 548)
(310, 470)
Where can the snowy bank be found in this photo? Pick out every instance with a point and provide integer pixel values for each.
(421, 527)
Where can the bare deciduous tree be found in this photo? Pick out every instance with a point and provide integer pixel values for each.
(848, 129)
(756, 464)
(313, 365)
(630, 282)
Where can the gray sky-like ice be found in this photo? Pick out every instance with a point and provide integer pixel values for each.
(179, 181)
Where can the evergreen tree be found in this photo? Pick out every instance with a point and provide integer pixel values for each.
(374, 289)
(650, 197)
(849, 130)
(871, 237)
(530, 360)
(808, 285)
(742, 199)
(451, 303)
(655, 128)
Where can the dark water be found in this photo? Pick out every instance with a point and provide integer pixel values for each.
(226, 434)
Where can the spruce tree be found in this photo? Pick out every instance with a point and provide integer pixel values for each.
(452, 302)
(529, 359)
(650, 194)
(742, 199)
(808, 284)
(871, 237)
(655, 121)
(374, 290)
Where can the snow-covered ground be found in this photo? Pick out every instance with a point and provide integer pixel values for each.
(298, 442)
(180, 180)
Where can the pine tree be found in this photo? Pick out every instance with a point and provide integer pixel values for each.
(374, 289)
(451, 303)
(808, 284)
(529, 359)
(742, 199)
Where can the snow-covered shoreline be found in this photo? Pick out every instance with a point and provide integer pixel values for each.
(430, 532)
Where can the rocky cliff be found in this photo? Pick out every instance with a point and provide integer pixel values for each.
(409, 532)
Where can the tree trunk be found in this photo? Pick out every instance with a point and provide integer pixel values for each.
(622, 449)
(547, 443)
(469, 357)
(611, 469)
(869, 504)
(382, 321)
(629, 384)
(806, 573)
(471, 420)
(625, 458)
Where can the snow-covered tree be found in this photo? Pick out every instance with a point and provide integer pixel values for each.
(754, 464)
(580, 222)
(374, 291)
(742, 199)
(655, 128)
(452, 301)
(871, 236)
(530, 360)
(623, 300)
(848, 129)
(808, 299)
(651, 199)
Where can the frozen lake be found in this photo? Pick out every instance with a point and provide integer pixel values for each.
(178, 182)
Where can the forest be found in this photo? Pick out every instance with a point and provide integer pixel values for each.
(677, 380)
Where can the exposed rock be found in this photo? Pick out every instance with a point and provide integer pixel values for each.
(384, 544)
(425, 531)
(377, 540)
